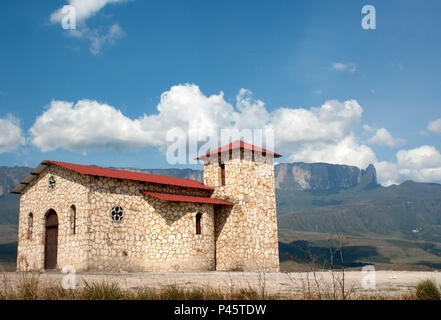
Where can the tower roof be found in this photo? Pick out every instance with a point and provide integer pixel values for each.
(238, 144)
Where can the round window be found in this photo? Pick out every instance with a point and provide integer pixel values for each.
(51, 182)
(117, 213)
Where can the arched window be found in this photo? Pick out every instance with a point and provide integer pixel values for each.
(222, 173)
(73, 219)
(30, 225)
(198, 223)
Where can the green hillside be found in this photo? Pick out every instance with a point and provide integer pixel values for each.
(396, 226)
(410, 210)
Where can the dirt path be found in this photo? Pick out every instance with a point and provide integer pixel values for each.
(387, 283)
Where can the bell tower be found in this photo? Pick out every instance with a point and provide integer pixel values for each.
(246, 234)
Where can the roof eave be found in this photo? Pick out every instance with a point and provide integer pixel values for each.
(30, 177)
(207, 155)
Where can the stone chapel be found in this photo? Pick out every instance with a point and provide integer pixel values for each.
(99, 219)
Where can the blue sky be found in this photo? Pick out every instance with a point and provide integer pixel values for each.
(290, 56)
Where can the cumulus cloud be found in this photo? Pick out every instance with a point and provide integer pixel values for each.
(383, 137)
(11, 135)
(87, 125)
(318, 134)
(422, 164)
(339, 66)
(419, 158)
(97, 37)
(434, 126)
(322, 133)
(332, 121)
(347, 151)
(90, 125)
(388, 173)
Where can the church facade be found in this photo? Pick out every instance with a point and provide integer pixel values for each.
(99, 219)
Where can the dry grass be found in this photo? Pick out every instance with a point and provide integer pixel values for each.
(29, 287)
(427, 290)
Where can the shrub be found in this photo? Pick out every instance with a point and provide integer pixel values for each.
(101, 291)
(427, 290)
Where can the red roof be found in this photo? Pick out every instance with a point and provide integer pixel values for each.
(236, 145)
(181, 198)
(130, 175)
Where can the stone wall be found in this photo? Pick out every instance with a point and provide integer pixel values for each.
(152, 236)
(37, 198)
(246, 235)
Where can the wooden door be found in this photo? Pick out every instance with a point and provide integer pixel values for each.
(51, 240)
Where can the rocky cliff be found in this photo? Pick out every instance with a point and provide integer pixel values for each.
(322, 176)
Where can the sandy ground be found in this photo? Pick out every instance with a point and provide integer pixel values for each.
(384, 283)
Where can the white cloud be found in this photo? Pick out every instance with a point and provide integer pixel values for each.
(322, 133)
(97, 41)
(318, 134)
(419, 158)
(331, 122)
(388, 173)
(84, 9)
(383, 137)
(90, 125)
(251, 113)
(422, 164)
(87, 125)
(10, 134)
(347, 151)
(435, 126)
(339, 66)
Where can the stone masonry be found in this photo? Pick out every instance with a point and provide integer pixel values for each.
(154, 235)
(246, 234)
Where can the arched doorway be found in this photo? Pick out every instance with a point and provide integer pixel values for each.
(51, 240)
